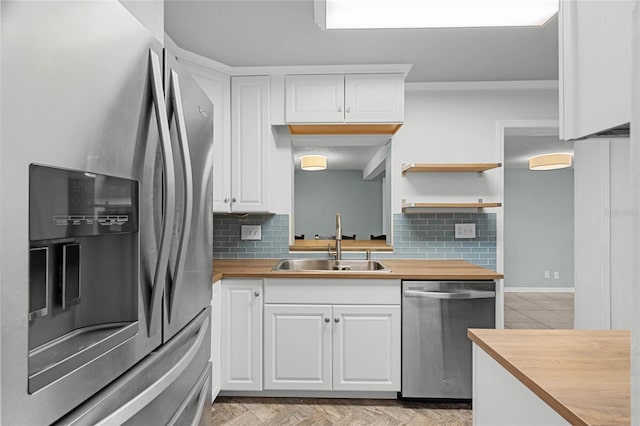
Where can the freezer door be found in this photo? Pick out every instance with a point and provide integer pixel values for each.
(170, 386)
(76, 94)
(190, 281)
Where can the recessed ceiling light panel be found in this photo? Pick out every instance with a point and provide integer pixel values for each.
(363, 14)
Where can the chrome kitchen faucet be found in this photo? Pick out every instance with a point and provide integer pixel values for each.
(338, 237)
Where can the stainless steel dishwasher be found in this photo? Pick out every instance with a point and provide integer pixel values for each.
(436, 353)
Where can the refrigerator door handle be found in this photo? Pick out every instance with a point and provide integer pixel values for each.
(176, 99)
(136, 404)
(202, 399)
(203, 387)
(168, 180)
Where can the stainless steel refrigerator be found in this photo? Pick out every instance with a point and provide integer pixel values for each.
(105, 222)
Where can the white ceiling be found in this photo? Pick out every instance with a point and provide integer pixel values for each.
(275, 33)
(283, 32)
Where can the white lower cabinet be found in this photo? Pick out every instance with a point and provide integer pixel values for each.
(297, 347)
(331, 346)
(366, 348)
(241, 335)
(216, 330)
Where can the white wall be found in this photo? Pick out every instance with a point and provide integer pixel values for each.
(458, 126)
(538, 228)
(320, 195)
(150, 13)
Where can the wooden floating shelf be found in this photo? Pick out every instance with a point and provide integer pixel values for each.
(409, 207)
(344, 129)
(451, 167)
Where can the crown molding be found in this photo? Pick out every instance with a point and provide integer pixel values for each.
(324, 69)
(483, 85)
(206, 64)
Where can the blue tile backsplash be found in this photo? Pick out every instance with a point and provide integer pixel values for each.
(416, 236)
(228, 245)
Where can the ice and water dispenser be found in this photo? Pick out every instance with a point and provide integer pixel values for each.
(83, 268)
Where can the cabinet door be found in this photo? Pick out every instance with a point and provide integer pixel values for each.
(250, 141)
(241, 334)
(595, 59)
(374, 98)
(366, 348)
(314, 98)
(217, 86)
(297, 347)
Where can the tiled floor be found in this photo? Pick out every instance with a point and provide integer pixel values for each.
(538, 310)
(522, 310)
(295, 411)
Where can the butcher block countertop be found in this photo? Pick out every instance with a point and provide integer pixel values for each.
(347, 245)
(400, 269)
(583, 375)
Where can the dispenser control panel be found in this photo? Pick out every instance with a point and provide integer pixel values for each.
(69, 203)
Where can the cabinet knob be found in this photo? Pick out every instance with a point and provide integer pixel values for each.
(340, 109)
(226, 200)
(233, 200)
(336, 320)
(256, 293)
(348, 110)
(327, 320)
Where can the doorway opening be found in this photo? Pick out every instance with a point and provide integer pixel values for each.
(537, 224)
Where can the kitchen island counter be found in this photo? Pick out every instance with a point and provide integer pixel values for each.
(584, 376)
(416, 269)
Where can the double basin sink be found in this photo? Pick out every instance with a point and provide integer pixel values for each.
(327, 265)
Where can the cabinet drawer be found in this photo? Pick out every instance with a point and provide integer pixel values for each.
(332, 291)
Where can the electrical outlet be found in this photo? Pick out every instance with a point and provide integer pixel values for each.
(556, 275)
(465, 230)
(546, 274)
(251, 232)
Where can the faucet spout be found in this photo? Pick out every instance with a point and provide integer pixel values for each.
(338, 237)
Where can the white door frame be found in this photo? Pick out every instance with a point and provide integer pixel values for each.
(501, 126)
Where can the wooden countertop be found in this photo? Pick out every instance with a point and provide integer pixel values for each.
(347, 245)
(585, 376)
(400, 269)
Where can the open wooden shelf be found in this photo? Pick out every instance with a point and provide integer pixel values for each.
(451, 167)
(414, 207)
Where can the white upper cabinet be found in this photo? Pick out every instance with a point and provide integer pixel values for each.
(374, 98)
(218, 87)
(350, 98)
(315, 98)
(595, 66)
(250, 141)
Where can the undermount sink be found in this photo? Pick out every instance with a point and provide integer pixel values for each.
(304, 265)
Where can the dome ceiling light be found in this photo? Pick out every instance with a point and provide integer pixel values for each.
(550, 161)
(313, 162)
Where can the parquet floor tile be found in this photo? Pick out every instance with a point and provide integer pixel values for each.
(335, 412)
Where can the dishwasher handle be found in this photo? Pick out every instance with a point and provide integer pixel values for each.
(461, 295)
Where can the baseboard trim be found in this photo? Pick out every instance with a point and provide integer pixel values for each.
(313, 394)
(539, 289)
